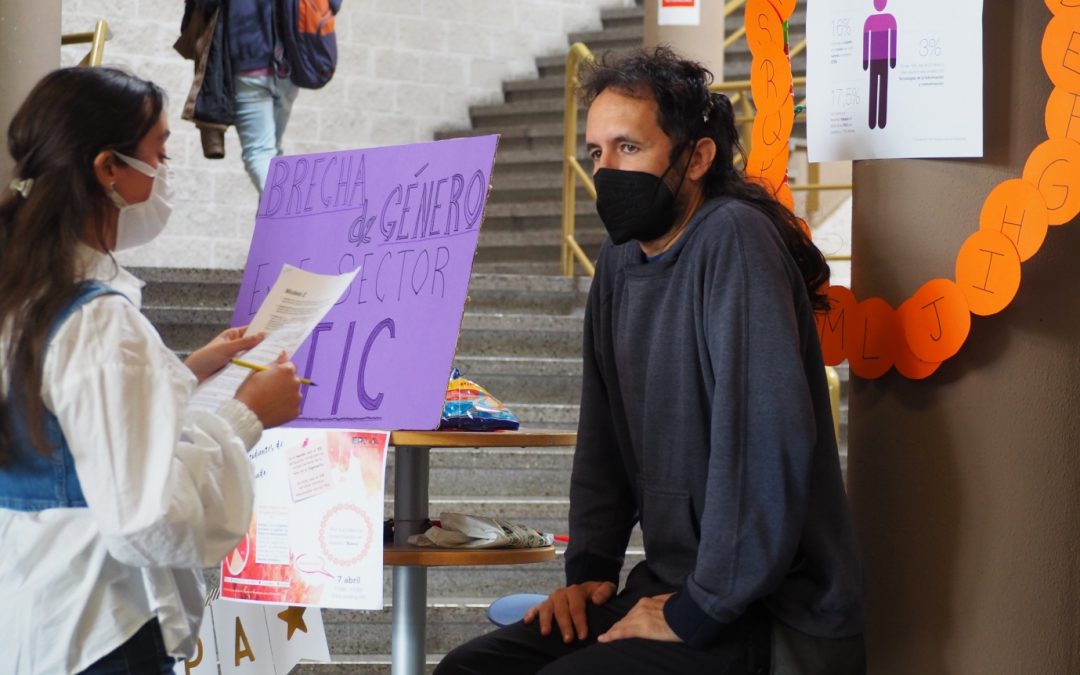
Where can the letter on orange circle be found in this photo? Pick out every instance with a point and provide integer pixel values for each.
(874, 333)
(764, 29)
(1061, 51)
(773, 129)
(834, 326)
(1063, 114)
(770, 80)
(936, 321)
(1017, 209)
(1054, 168)
(988, 272)
(768, 168)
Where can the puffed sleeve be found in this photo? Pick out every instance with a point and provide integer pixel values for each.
(167, 486)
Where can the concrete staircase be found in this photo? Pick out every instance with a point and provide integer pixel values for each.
(520, 338)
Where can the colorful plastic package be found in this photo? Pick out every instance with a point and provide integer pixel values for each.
(469, 407)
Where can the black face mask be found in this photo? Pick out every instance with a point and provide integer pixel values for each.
(634, 204)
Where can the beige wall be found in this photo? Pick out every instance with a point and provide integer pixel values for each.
(704, 43)
(966, 486)
(29, 48)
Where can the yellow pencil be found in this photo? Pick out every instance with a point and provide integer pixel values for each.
(256, 367)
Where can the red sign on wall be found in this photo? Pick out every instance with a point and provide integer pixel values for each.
(679, 3)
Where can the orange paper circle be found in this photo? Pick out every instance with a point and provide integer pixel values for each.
(909, 365)
(936, 320)
(768, 168)
(872, 351)
(988, 272)
(770, 80)
(1054, 168)
(1016, 209)
(773, 129)
(764, 29)
(1063, 114)
(834, 326)
(1061, 51)
(785, 8)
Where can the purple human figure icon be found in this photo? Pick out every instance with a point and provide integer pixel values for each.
(879, 55)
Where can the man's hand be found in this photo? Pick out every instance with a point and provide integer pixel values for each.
(212, 357)
(567, 605)
(646, 620)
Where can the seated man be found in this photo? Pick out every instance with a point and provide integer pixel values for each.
(705, 416)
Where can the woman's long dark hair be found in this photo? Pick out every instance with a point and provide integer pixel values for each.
(69, 117)
(688, 111)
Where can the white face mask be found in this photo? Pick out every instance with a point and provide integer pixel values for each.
(139, 223)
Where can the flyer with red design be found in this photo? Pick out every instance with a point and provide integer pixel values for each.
(316, 531)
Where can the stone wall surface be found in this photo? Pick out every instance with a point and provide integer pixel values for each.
(407, 68)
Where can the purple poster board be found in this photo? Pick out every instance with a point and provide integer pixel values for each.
(410, 217)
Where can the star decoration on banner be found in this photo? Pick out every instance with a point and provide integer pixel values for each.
(294, 617)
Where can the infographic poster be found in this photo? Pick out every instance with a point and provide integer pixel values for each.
(894, 78)
(316, 532)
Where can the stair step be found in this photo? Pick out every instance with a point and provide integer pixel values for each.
(357, 664)
(551, 267)
(200, 288)
(618, 17)
(517, 189)
(520, 114)
(528, 162)
(544, 137)
(519, 216)
(542, 247)
(545, 88)
(626, 37)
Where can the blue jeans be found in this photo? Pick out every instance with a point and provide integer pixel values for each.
(263, 104)
(143, 654)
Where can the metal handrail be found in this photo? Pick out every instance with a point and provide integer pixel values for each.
(572, 169)
(738, 91)
(96, 38)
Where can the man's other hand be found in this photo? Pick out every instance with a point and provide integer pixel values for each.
(646, 620)
(567, 606)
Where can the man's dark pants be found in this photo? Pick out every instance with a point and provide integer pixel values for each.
(519, 649)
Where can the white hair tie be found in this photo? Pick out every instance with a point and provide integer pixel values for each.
(22, 186)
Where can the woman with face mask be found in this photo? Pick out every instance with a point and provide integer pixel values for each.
(113, 494)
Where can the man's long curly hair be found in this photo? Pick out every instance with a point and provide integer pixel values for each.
(687, 112)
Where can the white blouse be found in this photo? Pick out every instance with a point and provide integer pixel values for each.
(169, 491)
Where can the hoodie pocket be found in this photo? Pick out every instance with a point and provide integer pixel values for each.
(670, 534)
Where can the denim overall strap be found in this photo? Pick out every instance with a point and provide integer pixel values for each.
(31, 481)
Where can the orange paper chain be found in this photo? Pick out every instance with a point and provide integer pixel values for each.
(933, 324)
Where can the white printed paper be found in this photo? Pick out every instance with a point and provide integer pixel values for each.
(294, 306)
(316, 533)
(894, 78)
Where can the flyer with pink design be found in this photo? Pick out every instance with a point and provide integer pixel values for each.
(315, 537)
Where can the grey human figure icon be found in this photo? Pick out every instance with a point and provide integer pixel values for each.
(879, 55)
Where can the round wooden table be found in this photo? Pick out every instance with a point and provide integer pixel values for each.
(412, 456)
